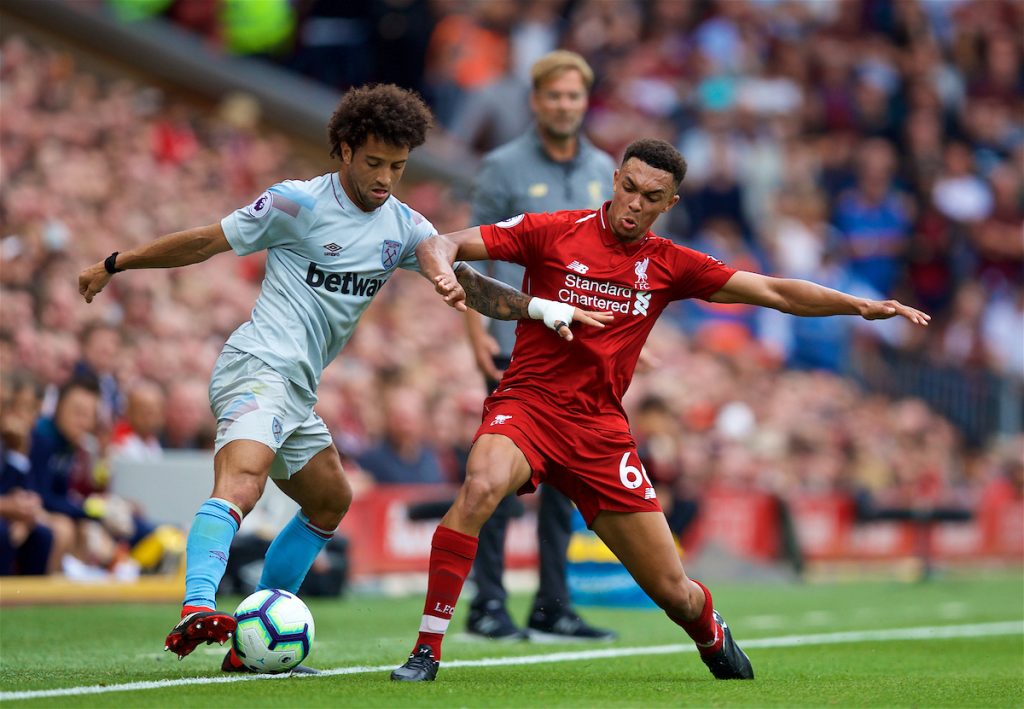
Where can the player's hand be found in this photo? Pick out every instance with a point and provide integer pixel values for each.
(484, 349)
(885, 309)
(448, 287)
(587, 317)
(92, 280)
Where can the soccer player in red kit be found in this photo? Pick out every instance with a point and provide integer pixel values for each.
(557, 415)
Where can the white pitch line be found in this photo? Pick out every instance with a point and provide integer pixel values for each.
(975, 630)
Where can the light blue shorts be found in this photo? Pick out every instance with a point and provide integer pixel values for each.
(254, 402)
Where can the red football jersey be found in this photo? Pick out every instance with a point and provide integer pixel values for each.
(573, 257)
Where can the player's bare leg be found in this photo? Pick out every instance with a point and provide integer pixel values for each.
(644, 544)
(321, 489)
(496, 468)
(324, 495)
(241, 469)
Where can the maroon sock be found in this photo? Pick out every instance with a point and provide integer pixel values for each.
(703, 629)
(451, 558)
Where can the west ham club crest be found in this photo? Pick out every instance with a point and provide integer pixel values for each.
(389, 253)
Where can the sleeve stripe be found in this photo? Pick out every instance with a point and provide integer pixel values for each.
(297, 196)
(285, 205)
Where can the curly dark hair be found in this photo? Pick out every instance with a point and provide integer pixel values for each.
(393, 115)
(658, 154)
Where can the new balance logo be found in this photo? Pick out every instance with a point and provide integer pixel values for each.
(344, 283)
(642, 303)
(649, 493)
(578, 267)
(500, 419)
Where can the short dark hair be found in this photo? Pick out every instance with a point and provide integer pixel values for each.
(85, 382)
(659, 155)
(393, 115)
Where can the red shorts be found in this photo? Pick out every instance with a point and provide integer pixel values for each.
(596, 469)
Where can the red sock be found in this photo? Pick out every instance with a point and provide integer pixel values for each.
(185, 610)
(451, 558)
(703, 630)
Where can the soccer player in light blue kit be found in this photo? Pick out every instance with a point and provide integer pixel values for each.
(332, 243)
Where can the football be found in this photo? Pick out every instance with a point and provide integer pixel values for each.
(275, 631)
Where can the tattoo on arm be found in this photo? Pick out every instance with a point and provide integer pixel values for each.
(492, 298)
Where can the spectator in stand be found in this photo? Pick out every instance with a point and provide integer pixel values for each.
(72, 480)
(963, 343)
(101, 352)
(137, 435)
(959, 194)
(403, 453)
(26, 542)
(874, 218)
(997, 238)
(188, 420)
(62, 463)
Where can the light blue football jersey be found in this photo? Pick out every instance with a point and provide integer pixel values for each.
(326, 260)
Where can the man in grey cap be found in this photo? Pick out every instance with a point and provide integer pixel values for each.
(549, 168)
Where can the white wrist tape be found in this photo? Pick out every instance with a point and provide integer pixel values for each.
(550, 311)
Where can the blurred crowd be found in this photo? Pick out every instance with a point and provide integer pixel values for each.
(872, 146)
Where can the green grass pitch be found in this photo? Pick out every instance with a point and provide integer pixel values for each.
(875, 665)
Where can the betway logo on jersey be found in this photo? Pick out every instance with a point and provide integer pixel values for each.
(344, 283)
(602, 295)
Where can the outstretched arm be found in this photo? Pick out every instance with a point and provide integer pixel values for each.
(808, 299)
(178, 249)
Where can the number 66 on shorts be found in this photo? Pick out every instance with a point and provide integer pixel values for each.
(633, 477)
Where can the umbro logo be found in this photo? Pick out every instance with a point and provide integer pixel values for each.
(332, 249)
(578, 267)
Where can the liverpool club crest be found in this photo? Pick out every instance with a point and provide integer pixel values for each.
(640, 269)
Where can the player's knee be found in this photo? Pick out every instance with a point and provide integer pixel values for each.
(333, 505)
(482, 493)
(241, 486)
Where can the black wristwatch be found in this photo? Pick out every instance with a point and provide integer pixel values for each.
(108, 264)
